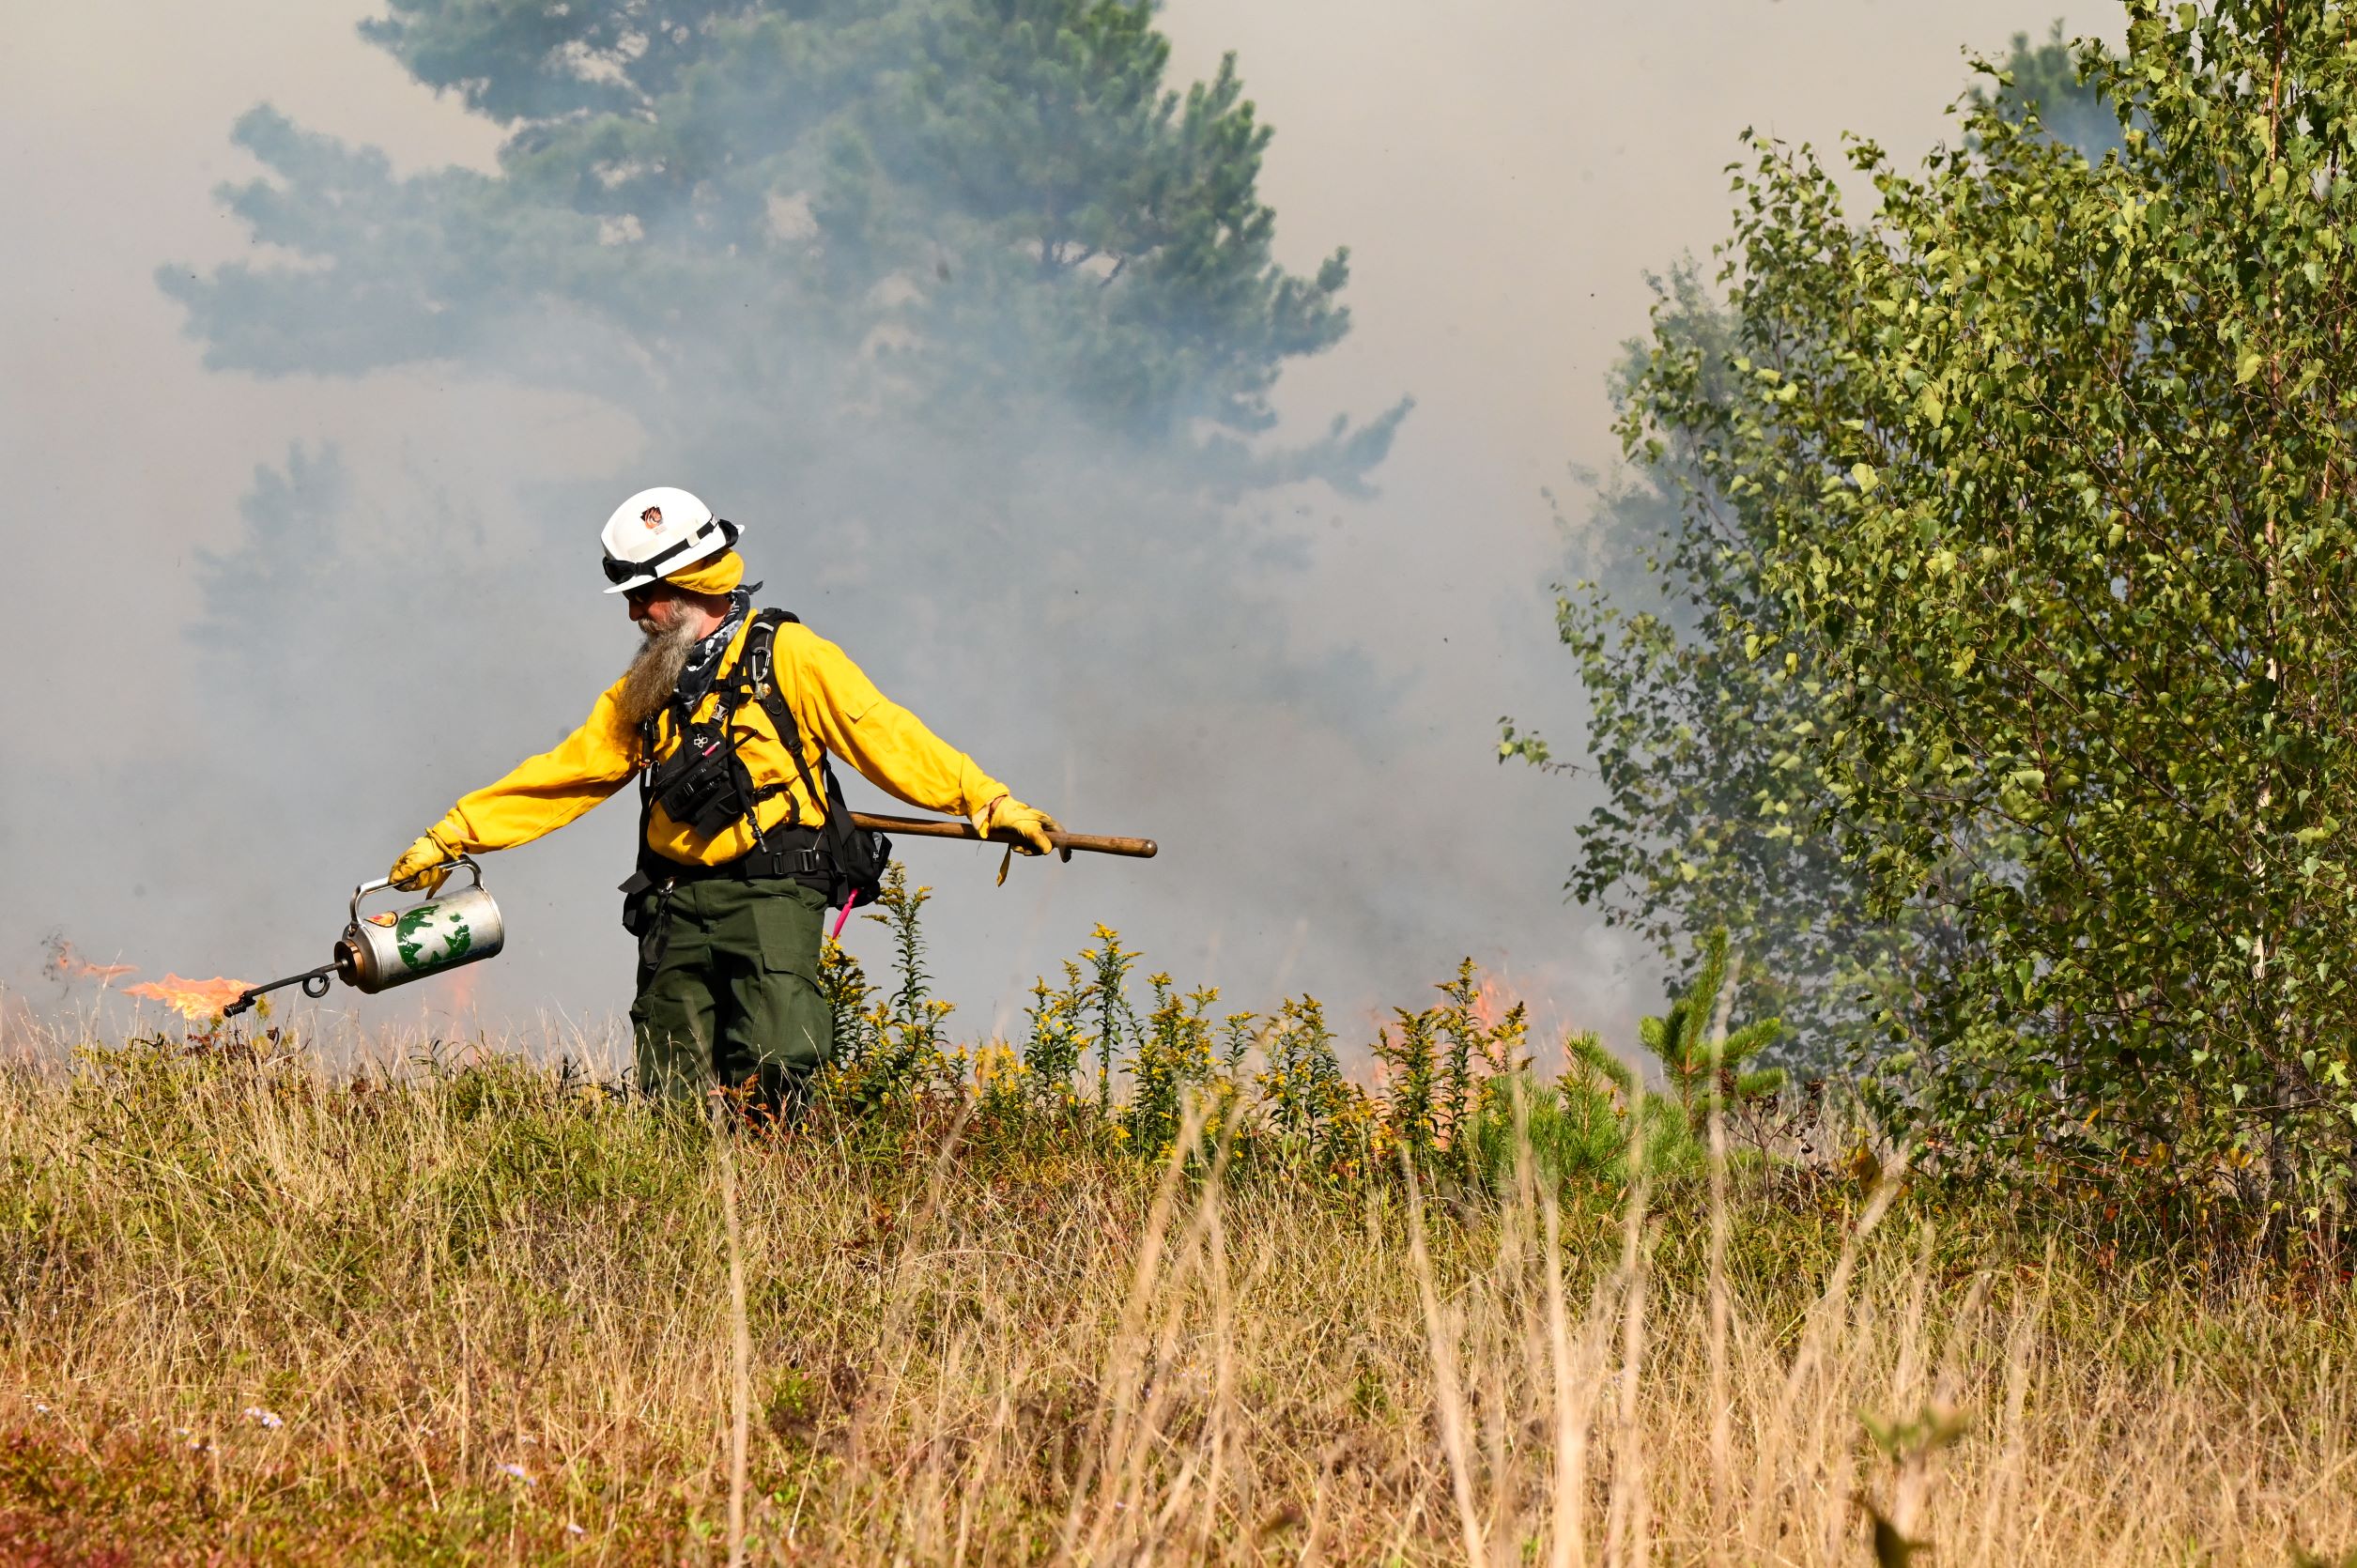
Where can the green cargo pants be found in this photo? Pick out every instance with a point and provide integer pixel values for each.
(728, 993)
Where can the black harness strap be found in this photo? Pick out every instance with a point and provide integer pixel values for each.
(833, 853)
(856, 859)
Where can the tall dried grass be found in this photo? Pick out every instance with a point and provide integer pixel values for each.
(253, 1314)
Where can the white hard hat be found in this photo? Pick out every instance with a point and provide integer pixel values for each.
(658, 532)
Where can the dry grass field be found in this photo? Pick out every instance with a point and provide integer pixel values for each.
(255, 1312)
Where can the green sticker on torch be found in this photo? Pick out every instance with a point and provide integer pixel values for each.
(423, 927)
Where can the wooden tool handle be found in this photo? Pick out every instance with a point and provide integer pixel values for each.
(943, 827)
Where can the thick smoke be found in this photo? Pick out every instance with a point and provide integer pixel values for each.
(1128, 593)
(1017, 463)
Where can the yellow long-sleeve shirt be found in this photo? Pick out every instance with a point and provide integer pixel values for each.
(835, 704)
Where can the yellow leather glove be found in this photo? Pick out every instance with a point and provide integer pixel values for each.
(1031, 827)
(423, 867)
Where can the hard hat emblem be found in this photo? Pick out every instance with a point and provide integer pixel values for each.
(651, 516)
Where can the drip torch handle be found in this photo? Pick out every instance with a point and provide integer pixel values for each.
(379, 884)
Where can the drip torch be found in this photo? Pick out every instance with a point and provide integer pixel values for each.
(392, 948)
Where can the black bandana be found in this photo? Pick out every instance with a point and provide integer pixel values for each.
(703, 660)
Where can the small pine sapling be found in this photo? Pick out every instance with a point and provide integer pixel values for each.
(1598, 1091)
(1704, 1069)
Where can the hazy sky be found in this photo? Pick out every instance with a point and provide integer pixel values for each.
(1504, 174)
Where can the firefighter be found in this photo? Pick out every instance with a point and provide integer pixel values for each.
(727, 718)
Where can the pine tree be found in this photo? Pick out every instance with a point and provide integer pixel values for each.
(782, 219)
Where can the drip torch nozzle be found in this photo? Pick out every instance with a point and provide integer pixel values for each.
(314, 983)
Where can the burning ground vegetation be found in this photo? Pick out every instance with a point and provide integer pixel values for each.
(1152, 1284)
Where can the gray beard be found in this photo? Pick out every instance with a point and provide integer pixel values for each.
(654, 672)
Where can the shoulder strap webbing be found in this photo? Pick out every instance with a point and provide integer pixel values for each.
(683, 724)
(761, 651)
(854, 871)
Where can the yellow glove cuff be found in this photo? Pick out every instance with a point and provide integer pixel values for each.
(987, 812)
